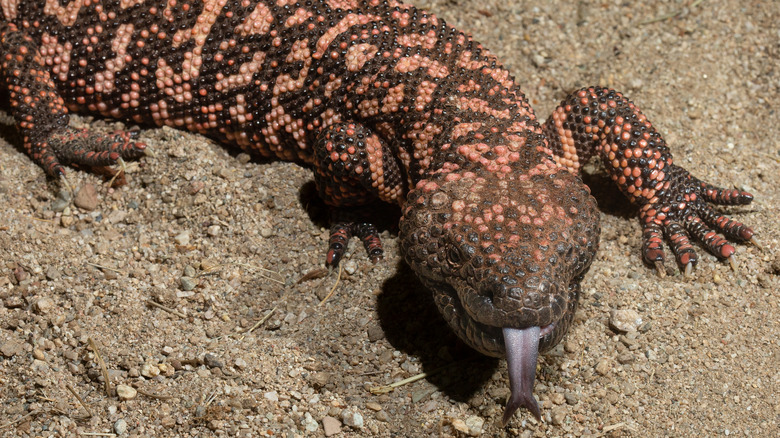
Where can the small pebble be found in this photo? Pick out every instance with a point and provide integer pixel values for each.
(213, 230)
(188, 283)
(11, 348)
(240, 363)
(120, 427)
(474, 425)
(626, 358)
(350, 267)
(38, 354)
(320, 379)
(375, 333)
(331, 426)
(309, 423)
(150, 370)
(571, 398)
(52, 273)
(117, 216)
(195, 187)
(67, 221)
(271, 396)
(459, 425)
(44, 305)
(376, 407)
(382, 416)
(183, 238)
(125, 392)
(558, 415)
(624, 320)
(604, 366)
(212, 361)
(352, 418)
(59, 205)
(86, 198)
(557, 398)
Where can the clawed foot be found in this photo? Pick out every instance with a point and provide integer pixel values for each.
(683, 211)
(86, 149)
(341, 232)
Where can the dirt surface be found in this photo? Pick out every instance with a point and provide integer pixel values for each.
(224, 242)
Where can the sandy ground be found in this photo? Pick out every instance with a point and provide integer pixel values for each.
(224, 241)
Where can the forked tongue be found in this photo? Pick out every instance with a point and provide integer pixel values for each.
(522, 349)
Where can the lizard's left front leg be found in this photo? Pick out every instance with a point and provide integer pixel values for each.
(673, 204)
(42, 118)
(353, 168)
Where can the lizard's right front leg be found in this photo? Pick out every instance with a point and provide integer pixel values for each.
(353, 168)
(42, 118)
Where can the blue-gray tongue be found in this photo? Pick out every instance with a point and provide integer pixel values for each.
(522, 350)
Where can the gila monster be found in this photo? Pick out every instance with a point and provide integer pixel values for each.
(384, 102)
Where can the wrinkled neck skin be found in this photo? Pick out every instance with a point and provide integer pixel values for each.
(503, 253)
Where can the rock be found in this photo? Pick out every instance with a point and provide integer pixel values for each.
(571, 398)
(375, 333)
(150, 370)
(59, 205)
(240, 363)
(182, 239)
(474, 425)
(604, 366)
(331, 426)
(350, 267)
(40, 366)
(376, 407)
(459, 425)
(309, 423)
(352, 418)
(212, 361)
(271, 396)
(125, 392)
(626, 358)
(557, 398)
(558, 415)
(624, 320)
(14, 302)
(11, 349)
(188, 283)
(214, 230)
(86, 198)
(44, 305)
(52, 273)
(120, 427)
(117, 216)
(320, 379)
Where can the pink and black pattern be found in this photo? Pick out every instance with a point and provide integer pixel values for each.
(384, 102)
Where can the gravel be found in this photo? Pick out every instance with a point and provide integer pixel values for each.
(702, 362)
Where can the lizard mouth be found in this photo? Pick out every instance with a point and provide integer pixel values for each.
(519, 344)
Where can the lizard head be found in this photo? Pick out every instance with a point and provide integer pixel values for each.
(503, 253)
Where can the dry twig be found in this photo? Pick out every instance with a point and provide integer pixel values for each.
(103, 370)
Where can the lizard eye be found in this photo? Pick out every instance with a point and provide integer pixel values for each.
(454, 257)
